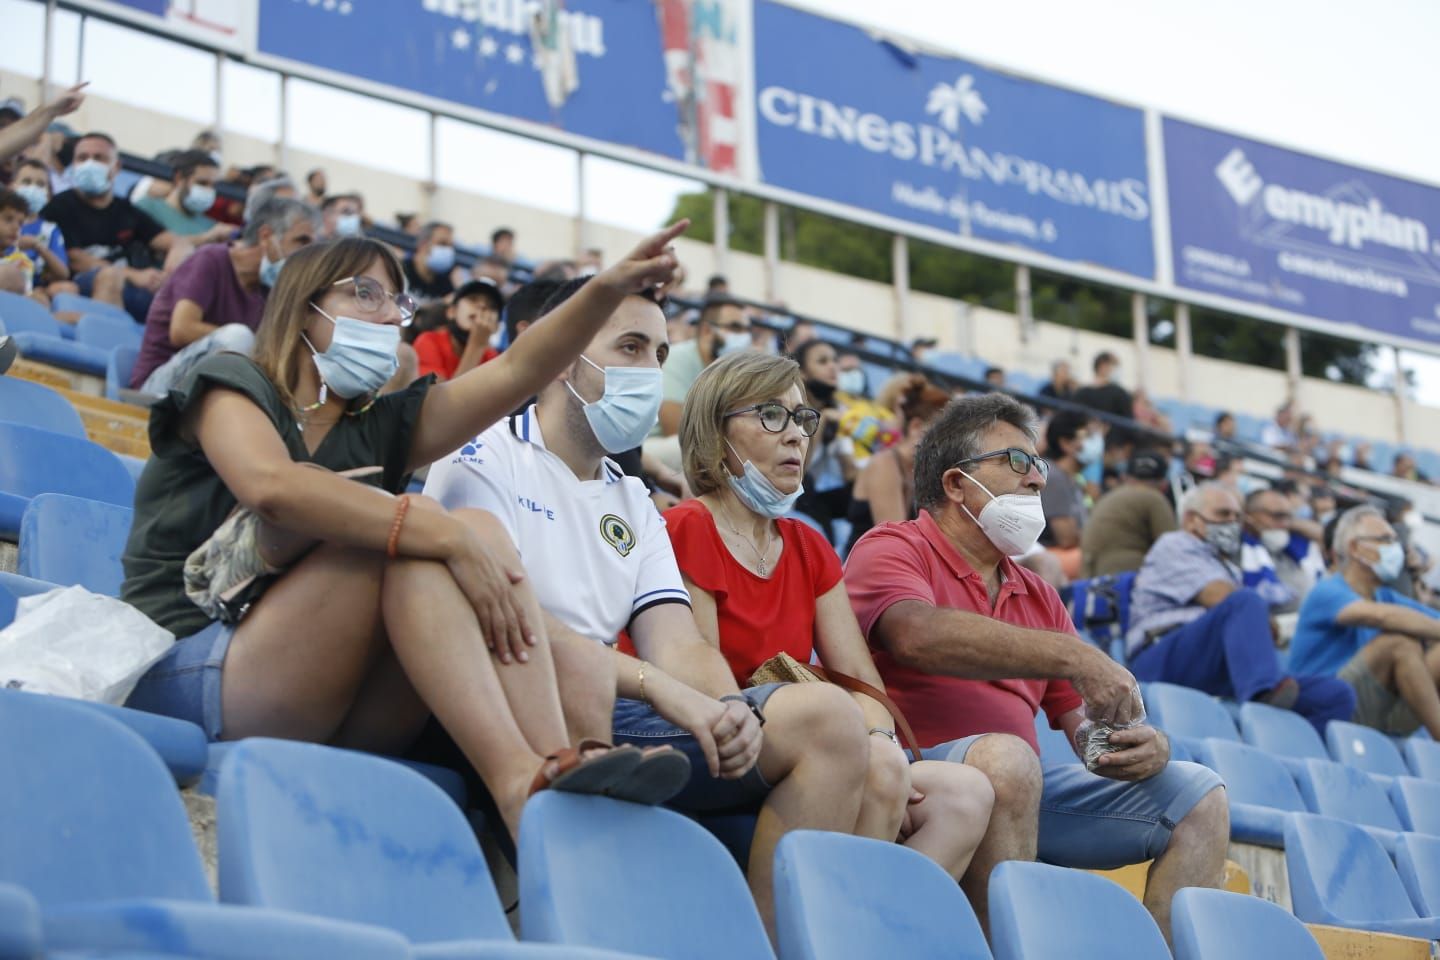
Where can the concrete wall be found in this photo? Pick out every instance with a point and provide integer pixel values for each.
(860, 304)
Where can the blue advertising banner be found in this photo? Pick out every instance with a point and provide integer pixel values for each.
(942, 142)
(657, 75)
(1298, 233)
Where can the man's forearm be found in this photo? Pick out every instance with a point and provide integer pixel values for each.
(960, 643)
(697, 665)
(1413, 623)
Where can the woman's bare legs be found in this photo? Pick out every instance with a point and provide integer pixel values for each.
(887, 791)
(950, 822)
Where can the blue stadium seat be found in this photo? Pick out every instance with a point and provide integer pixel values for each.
(1188, 714)
(840, 897)
(41, 337)
(583, 860)
(410, 857)
(106, 331)
(734, 830)
(1335, 790)
(1219, 925)
(957, 364)
(1258, 787)
(38, 461)
(1340, 875)
(1424, 757)
(12, 588)
(1283, 733)
(118, 370)
(71, 541)
(20, 937)
(74, 303)
(1054, 745)
(1039, 912)
(1100, 610)
(1418, 804)
(1417, 860)
(443, 777)
(34, 405)
(21, 315)
(96, 832)
(1023, 382)
(1364, 748)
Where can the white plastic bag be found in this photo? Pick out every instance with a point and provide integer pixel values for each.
(75, 643)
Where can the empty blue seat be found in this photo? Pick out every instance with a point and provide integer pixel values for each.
(1283, 733)
(838, 896)
(1188, 714)
(72, 541)
(74, 303)
(118, 371)
(1335, 790)
(1424, 757)
(34, 405)
(1418, 804)
(1219, 925)
(1417, 860)
(19, 924)
(1038, 912)
(443, 777)
(1340, 875)
(957, 365)
(106, 331)
(1054, 745)
(22, 315)
(38, 461)
(12, 588)
(1364, 748)
(39, 336)
(96, 832)
(584, 861)
(1258, 787)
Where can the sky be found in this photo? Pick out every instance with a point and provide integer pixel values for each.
(1339, 78)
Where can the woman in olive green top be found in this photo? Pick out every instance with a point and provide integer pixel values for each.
(381, 608)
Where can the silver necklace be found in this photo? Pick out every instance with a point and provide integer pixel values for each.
(760, 555)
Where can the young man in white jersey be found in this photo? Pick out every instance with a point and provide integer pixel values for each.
(599, 561)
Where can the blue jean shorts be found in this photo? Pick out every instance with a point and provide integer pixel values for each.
(185, 683)
(638, 723)
(1095, 823)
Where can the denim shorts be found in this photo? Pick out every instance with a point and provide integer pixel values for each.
(185, 683)
(638, 723)
(1095, 823)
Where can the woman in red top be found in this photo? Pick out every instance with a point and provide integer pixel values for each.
(760, 584)
(463, 343)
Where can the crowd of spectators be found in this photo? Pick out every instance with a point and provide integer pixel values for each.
(533, 603)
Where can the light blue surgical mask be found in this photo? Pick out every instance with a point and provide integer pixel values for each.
(851, 382)
(91, 177)
(629, 409)
(757, 492)
(361, 357)
(35, 196)
(270, 270)
(732, 341)
(1091, 450)
(348, 225)
(1390, 562)
(198, 199)
(440, 259)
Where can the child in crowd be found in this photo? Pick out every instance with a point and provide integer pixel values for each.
(463, 342)
(41, 240)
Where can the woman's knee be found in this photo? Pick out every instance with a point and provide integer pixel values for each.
(958, 791)
(820, 719)
(887, 779)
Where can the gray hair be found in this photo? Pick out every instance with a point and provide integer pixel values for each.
(1195, 497)
(265, 192)
(279, 214)
(428, 231)
(956, 435)
(1345, 527)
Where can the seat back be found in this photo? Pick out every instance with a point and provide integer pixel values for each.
(38, 461)
(584, 860)
(1418, 804)
(67, 540)
(1424, 757)
(22, 315)
(1417, 860)
(299, 816)
(74, 303)
(1339, 874)
(118, 370)
(107, 331)
(35, 405)
(1281, 732)
(1054, 745)
(1219, 925)
(1183, 712)
(1038, 912)
(20, 931)
(843, 896)
(90, 812)
(1364, 748)
(1335, 790)
(1251, 776)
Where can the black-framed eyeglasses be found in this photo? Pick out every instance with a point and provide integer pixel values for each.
(370, 297)
(774, 416)
(1383, 540)
(1019, 461)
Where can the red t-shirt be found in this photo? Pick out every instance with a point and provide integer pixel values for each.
(913, 560)
(436, 353)
(758, 617)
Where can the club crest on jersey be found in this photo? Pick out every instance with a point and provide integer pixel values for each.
(618, 534)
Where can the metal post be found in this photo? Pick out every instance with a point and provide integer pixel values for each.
(282, 146)
(80, 48)
(1024, 306)
(1184, 350)
(220, 96)
(900, 283)
(722, 227)
(1294, 372)
(432, 164)
(1140, 330)
(1402, 402)
(581, 205)
(47, 60)
(772, 252)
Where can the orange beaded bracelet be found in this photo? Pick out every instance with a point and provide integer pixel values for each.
(392, 547)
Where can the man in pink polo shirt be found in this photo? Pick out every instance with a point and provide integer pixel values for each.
(972, 645)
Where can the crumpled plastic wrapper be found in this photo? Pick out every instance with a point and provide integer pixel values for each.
(1092, 737)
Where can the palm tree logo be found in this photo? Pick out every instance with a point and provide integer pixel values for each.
(947, 102)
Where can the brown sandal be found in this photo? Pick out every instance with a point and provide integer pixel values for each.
(576, 773)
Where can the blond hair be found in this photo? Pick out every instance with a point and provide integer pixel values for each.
(725, 386)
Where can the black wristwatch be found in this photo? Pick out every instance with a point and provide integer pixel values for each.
(754, 707)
